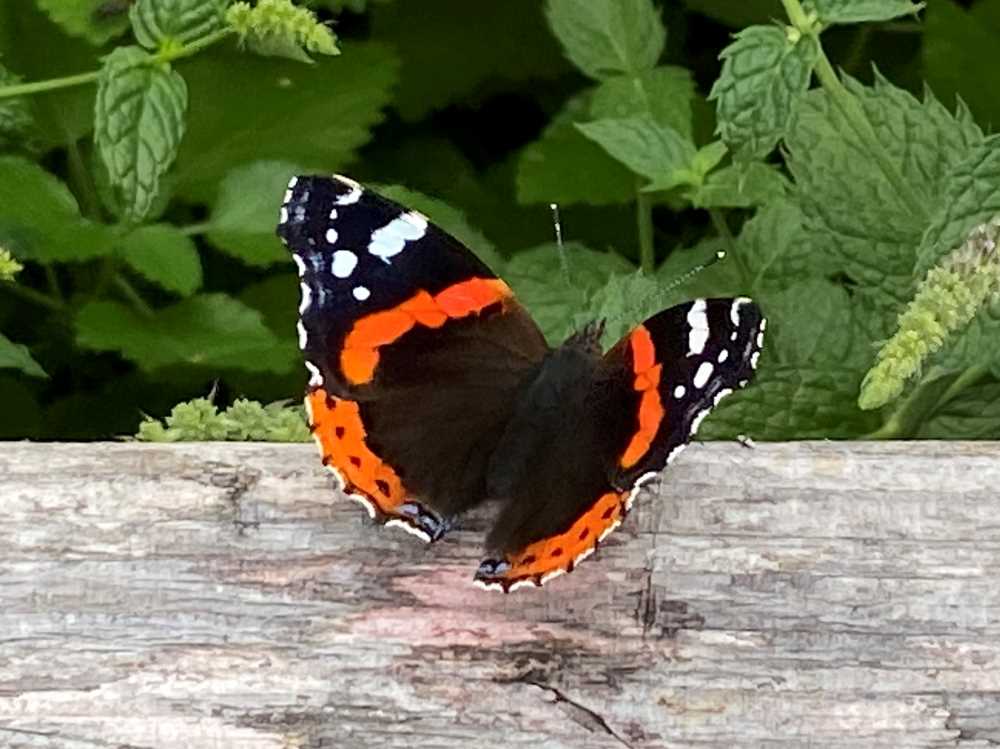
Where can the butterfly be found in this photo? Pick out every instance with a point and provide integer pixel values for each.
(431, 389)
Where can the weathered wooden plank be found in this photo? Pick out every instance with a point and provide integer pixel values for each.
(219, 595)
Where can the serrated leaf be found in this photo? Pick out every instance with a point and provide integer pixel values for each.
(97, 21)
(566, 167)
(40, 220)
(605, 37)
(623, 302)
(279, 28)
(315, 115)
(163, 254)
(537, 277)
(664, 93)
(968, 196)
(798, 402)
(450, 219)
(139, 122)
(862, 11)
(641, 144)
(764, 73)
(741, 185)
(155, 21)
(775, 246)
(973, 414)
(244, 215)
(16, 356)
(448, 63)
(852, 210)
(210, 330)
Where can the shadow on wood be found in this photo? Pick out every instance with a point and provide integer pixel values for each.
(221, 595)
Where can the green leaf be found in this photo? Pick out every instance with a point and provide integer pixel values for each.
(138, 127)
(316, 115)
(664, 94)
(537, 277)
(40, 220)
(448, 218)
(852, 211)
(16, 356)
(245, 214)
(763, 74)
(210, 330)
(974, 414)
(741, 185)
(161, 253)
(641, 144)
(812, 322)
(861, 11)
(605, 37)
(966, 197)
(199, 420)
(97, 21)
(776, 247)
(623, 302)
(956, 43)
(798, 402)
(566, 167)
(447, 62)
(156, 21)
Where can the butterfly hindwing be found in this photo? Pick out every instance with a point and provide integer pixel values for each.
(643, 401)
(415, 351)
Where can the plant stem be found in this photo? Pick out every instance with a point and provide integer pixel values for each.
(52, 84)
(970, 376)
(128, 290)
(936, 389)
(854, 114)
(719, 222)
(54, 289)
(644, 217)
(81, 179)
(200, 228)
(30, 295)
(80, 79)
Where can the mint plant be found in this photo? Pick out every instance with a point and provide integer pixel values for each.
(140, 175)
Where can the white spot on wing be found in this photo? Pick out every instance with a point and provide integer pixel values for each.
(679, 391)
(525, 583)
(552, 574)
(284, 215)
(674, 453)
(361, 293)
(723, 355)
(303, 336)
(364, 502)
(734, 311)
(344, 263)
(760, 339)
(698, 419)
(583, 555)
(300, 264)
(488, 586)
(753, 359)
(720, 395)
(315, 377)
(704, 372)
(333, 214)
(332, 236)
(637, 487)
(390, 240)
(306, 298)
(293, 182)
(698, 320)
(353, 195)
(411, 529)
(607, 531)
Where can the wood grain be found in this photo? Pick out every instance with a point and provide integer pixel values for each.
(222, 595)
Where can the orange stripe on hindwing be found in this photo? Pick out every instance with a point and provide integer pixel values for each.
(338, 429)
(647, 381)
(549, 557)
(359, 356)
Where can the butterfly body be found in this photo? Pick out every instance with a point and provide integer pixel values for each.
(432, 390)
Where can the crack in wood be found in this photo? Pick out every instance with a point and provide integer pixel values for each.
(582, 715)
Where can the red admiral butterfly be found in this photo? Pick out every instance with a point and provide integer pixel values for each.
(432, 390)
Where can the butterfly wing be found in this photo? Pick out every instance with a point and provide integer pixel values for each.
(645, 400)
(415, 351)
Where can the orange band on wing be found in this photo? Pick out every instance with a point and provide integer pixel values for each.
(552, 556)
(359, 357)
(337, 427)
(647, 382)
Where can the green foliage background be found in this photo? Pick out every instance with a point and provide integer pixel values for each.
(139, 267)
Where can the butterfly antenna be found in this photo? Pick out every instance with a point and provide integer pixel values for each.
(560, 247)
(688, 275)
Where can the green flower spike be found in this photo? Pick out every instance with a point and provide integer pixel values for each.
(9, 267)
(278, 28)
(946, 301)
